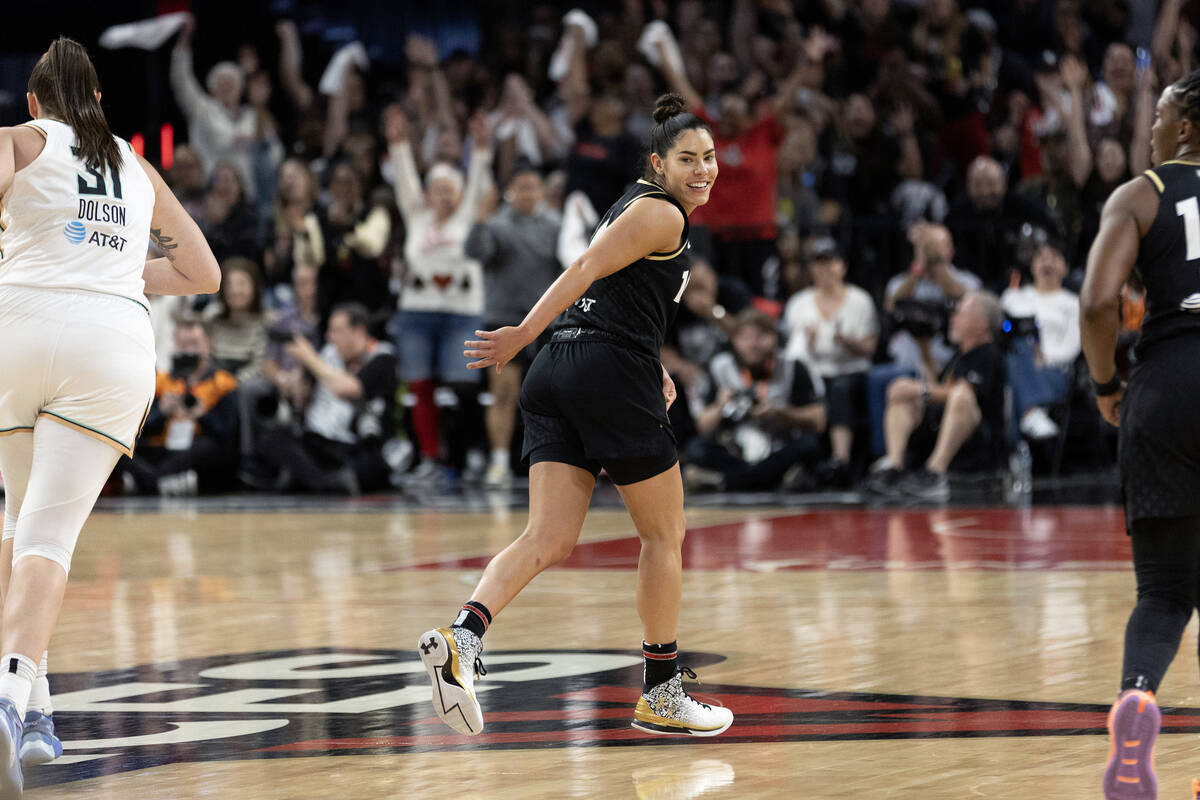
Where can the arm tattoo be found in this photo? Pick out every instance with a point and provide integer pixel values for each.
(165, 243)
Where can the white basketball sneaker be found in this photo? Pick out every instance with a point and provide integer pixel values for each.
(451, 657)
(669, 710)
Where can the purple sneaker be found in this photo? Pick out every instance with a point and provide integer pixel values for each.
(1132, 728)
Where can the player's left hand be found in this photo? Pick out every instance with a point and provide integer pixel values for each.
(494, 348)
(1110, 407)
(668, 388)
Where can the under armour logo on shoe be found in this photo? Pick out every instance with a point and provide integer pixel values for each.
(430, 645)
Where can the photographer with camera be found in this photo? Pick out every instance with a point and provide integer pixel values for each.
(917, 303)
(189, 441)
(764, 416)
(959, 410)
(351, 413)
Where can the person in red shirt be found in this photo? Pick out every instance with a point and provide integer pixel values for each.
(741, 217)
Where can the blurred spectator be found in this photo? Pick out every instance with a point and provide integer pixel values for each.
(960, 410)
(229, 223)
(300, 317)
(189, 182)
(296, 236)
(523, 130)
(932, 284)
(516, 246)
(701, 329)
(800, 173)
(220, 128)
(1040, 367)
(917, 303)
(741, 215)
(237, 324)
(603, 155)
(986, 220)
(266, 151)
(339, 449)
(189, 440)
(1111, 109)
(1112, 169)
(832, 327)
(354, 235)
(442, 301)
(786, 271)
(763, 417)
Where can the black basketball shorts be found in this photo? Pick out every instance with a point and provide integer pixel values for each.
(596, 404)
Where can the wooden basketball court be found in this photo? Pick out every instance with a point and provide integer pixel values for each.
(265, 651)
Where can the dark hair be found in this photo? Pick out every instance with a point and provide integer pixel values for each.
(240, 264)
(66, 84)
(671, 118)
(1185, 92)
(357, 315)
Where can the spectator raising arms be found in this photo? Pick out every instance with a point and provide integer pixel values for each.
(220, 128)
(441, 305)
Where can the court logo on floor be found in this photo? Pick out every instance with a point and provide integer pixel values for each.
(357, 702)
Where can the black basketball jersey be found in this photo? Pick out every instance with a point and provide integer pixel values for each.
(635, 305)
(1169, 254)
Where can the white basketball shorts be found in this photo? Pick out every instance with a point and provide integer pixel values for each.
(83, 359)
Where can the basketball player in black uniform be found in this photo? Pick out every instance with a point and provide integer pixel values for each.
(1153, 223)
(597, 397)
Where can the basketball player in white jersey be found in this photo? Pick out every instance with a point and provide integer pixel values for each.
(77, 210)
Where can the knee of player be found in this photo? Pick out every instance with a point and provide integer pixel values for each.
(671, 532)
(550, 547)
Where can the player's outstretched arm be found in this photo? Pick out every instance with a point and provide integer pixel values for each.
(188, 265)
(648, 226)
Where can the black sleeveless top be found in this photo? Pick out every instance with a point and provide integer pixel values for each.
(636, 305)
(1169, 255)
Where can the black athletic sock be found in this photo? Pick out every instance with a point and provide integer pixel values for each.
(660, 663)
(475, 617)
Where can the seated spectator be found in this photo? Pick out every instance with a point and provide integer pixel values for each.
(230, 225)
(917, 302)
(189, 441)
(961, 410)
(763, 417)
(1040, 369)
(339, 447)
(832, 327)
(985, 219)
(516, 246)
(237, 323)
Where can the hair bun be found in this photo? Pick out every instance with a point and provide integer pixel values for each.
(669, 105)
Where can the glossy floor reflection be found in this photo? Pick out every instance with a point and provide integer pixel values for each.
(213, 651)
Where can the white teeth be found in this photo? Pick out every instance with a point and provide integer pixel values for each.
(698, 185)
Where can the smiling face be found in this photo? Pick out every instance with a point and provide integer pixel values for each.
(689, 168)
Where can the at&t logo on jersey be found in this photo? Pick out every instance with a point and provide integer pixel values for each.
(75, 232)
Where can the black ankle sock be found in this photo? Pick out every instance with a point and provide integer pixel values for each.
(475, 617)
(660, 663)
(1139, 682)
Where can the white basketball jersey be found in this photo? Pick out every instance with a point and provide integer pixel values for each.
(65, 225)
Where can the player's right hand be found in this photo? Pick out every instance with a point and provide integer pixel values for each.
(494, 348)
(1110, 407)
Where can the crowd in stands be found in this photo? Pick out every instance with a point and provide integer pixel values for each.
(882, 281)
